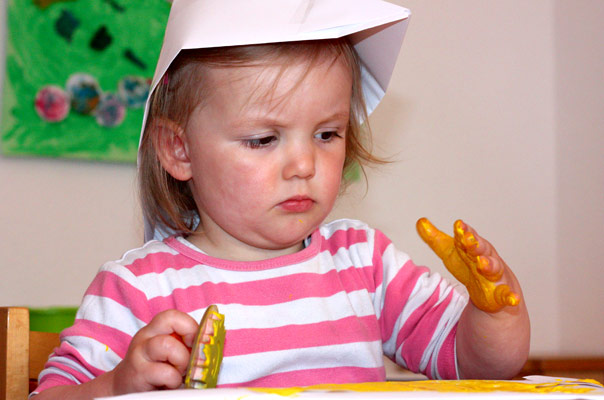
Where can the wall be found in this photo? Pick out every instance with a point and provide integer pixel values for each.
(580, 175)
(59, 221)
(471, 116)
(482, 121)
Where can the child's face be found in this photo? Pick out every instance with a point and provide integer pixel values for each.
(267, 156)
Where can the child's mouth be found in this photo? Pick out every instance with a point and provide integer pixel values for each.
(297, 204)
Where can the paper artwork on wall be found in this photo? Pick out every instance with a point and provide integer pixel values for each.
(77, 76)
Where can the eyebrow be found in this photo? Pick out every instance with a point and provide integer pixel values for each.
(338, 115)
(272, 121)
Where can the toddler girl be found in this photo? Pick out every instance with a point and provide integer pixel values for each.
(242, 158)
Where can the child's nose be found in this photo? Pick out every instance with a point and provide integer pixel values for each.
(300, 161)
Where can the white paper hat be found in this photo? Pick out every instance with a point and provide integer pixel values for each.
(375, 28)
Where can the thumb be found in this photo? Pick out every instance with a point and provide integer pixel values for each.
(441, 243)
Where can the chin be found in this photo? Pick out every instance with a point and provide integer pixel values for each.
(288, 235)
(283, 243)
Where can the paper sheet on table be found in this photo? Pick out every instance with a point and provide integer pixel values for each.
(376, 29)
(537, 388)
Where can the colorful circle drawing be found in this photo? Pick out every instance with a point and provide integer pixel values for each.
(52, 103)
(133, 91)
(85, 93)
(111, 111)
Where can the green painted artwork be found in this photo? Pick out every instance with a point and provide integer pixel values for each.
(77, 76)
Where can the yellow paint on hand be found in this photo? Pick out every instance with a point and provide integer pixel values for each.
(484, 292)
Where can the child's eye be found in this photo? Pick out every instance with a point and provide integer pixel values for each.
(259, 142)
(327, 136)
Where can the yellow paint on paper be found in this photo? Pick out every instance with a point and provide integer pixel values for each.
(472, 386)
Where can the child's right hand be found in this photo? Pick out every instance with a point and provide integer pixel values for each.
(156, 359)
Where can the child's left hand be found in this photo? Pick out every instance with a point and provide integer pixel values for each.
(492, 339)
(475, 263)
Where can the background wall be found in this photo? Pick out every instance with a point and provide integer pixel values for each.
(580, 174)
(494, 115)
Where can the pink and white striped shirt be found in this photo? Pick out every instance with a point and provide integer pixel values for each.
(325, 314)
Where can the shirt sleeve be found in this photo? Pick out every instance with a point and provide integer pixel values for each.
(418, 312)
(112, 311)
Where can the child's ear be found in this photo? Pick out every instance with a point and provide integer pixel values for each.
(171, 148)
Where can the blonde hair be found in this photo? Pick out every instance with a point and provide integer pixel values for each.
(168, 201)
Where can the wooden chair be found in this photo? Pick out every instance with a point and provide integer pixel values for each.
(23, 353)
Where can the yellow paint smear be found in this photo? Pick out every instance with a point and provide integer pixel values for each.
(475, 386)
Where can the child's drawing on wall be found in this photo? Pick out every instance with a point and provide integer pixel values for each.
(77, 76)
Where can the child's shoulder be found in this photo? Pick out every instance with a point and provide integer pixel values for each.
(344, 224)
(347, 230)
(350, 231)
(142, 257)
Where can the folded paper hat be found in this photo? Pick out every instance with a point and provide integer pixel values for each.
(376, 29)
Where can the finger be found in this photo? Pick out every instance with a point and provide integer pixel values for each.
(170, 321)
(167, 349)
(471, 241)
(465, 237)
(439, 242)
(180, 339)
(163, 375)
(490, 267)
(505, 297)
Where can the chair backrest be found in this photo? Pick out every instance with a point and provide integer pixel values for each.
(23, 353)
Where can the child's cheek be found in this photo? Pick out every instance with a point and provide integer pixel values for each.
(252, 177)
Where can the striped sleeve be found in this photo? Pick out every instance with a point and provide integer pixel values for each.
(112, 311)
(418, 312)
